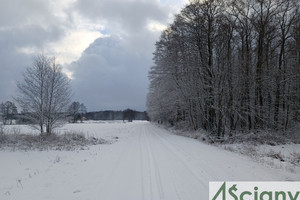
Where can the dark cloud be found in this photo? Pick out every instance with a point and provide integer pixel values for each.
(11, 67)
(112, 72)
(24, 24)
(20, 12)
(108, 76)
(34, 36)
(128, 15)
(12, 61)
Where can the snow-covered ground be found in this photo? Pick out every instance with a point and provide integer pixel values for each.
(146, 162)
(285, 156)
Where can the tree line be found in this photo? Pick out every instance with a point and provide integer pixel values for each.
(75, 112)
(127, 114)
(229, 65)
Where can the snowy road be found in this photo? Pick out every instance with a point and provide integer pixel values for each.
(147, 163)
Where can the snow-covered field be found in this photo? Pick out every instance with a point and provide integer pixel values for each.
(146, 162)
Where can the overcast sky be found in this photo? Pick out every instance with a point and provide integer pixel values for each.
(104, 46)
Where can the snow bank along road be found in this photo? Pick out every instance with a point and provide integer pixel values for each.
(146, 163)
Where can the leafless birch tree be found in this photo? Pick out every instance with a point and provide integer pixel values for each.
(44, 94)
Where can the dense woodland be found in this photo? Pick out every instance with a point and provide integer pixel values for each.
(229, 65)
(127, 114)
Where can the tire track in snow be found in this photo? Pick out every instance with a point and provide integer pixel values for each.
(154, 169)
(174, 171)
(176, 154)
(177, 170)
(142, 166)
(111, 179)
(149, 165)
(186, 156)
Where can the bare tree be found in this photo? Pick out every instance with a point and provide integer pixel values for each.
(8, 110)
(129, 115)
(76, 110)
(44, 94)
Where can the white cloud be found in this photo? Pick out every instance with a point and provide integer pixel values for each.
(156, 26)
(77, 38)
(27, 50)
(70, 47)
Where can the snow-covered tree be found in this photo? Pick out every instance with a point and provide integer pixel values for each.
(228, 65)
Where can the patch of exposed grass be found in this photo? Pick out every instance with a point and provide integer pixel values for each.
(68, 141)
(275, 155)
(295, 158)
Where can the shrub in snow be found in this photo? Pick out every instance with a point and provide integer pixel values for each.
(67, 141)
(1, 129)
(275, 155)
(295, 158)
